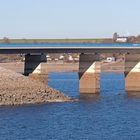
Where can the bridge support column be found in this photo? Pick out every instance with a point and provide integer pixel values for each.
(89, 73)
(33, 64)
(35, 67)
(132, 72)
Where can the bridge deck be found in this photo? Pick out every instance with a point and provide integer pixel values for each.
(68, 48)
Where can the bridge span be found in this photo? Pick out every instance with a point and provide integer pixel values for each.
(89, 65)
(69, 49)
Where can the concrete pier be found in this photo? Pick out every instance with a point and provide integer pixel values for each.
(33, 64)
(132, 72)
(89, 73)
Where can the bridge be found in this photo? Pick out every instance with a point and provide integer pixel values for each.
(89, 65)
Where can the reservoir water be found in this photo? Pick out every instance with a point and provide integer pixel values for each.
(112, 115)
(30, 45)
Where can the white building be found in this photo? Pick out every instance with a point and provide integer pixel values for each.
(122, 39)
(70, 58)
(61, 57)
(110, 59)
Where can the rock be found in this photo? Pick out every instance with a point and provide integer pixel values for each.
(16, 89)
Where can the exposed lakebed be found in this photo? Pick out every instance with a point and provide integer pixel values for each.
(16, 89)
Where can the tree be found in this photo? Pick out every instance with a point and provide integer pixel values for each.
(138, 38)
(6, 40)
(115, 36)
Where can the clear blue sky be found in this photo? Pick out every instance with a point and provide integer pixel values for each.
(68, 18)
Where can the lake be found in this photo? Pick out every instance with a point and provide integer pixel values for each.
(112, 115)
(17, 45)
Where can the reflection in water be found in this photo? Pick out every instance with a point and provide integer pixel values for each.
(89, 97)
(133, 94)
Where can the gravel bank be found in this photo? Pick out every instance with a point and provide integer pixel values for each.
(16, 89)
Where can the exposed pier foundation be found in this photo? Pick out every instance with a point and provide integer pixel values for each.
(89, 73)
(132, 72)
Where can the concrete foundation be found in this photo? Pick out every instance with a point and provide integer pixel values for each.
(132, 72)
(33, 64)
(89, 73)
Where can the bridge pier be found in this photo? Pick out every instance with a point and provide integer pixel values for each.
(89, 73)
(35, 67)
(33, 64)
(132, 72)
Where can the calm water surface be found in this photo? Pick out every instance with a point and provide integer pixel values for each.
(112, 115)
(69, 45)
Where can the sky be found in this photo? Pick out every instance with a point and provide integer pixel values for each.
(68, 18)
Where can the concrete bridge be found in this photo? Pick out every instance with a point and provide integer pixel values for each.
(89, 66)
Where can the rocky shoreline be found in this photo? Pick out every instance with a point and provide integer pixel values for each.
(16, 89)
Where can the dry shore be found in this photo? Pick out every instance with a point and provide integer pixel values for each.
(16, 89)
(66, 67)
(51, 67)
(117, 67)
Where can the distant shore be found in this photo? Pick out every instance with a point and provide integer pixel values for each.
(51, 67)
(86, 40)
(117, 66)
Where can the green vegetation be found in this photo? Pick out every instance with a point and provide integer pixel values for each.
(102, 40)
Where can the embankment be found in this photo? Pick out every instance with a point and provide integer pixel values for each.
(16, 89)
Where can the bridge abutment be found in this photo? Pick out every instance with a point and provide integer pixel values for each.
(89, 73)
(132, 72)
